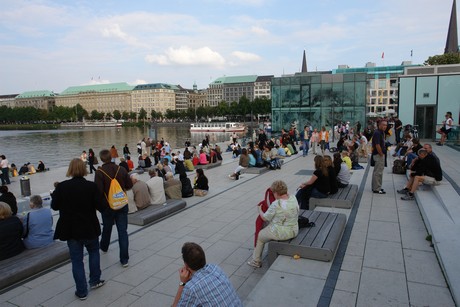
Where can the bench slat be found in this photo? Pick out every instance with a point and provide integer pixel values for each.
(155, 212)
(325, 230)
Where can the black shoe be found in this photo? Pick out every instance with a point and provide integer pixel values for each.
(99, 284)
(403, 191)
(82, 297)
(382, 191)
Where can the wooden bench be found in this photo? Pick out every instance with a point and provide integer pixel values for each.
(31, 262)
(344, 198)
(318, 243)
(155, 212)
(209, 165)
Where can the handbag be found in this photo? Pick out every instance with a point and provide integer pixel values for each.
(95, 160)
(304, 222)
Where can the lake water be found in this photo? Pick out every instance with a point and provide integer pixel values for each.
(57, 147)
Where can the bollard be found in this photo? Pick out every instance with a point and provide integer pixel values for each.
(25, 186)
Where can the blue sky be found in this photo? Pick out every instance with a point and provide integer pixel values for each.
(51, 45)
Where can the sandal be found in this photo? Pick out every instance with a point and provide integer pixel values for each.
(255, 263)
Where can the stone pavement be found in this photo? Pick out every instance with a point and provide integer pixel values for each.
(385, 259)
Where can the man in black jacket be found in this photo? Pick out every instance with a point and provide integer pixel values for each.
(110, 216)
(426, 169)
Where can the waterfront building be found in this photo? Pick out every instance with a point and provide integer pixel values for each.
(182, 100)
(44, 100)
(8, 100)
(156, 96)
(262, 87)
(382, 86)
(426, 94)
(231, 89)
(104, 98)
(318, 99)
(197, 98)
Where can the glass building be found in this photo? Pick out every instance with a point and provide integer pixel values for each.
(426, 94)
(318, 99)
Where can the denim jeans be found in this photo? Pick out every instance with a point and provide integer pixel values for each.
(120, 218)
(5, 176)
(306, 145)
(78, 268)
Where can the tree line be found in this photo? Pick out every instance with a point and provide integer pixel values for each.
(237, 110)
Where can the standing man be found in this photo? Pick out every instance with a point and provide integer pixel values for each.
(305, 138)
(203, 284)
(398, 128)
(110, 216)
(378, 154)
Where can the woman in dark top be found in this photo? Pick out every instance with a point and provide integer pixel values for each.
(201, 186)
(318, 186)
(91, 161)
(187, 190)
(77, 200)
(9, 198)
(10, 233)
(332, 174)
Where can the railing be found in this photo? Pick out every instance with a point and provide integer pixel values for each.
(453, 137)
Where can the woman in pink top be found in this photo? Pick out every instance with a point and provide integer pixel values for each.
(203, 158)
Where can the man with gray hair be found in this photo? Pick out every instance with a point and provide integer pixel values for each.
(173, 187)
(156, 188)
(426, 169)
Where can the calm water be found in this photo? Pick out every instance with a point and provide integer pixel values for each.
(57, 147)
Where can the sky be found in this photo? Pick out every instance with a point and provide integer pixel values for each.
(52, 45)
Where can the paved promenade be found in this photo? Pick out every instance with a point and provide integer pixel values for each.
(384, 259)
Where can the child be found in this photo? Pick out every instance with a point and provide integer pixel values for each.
(346, 159)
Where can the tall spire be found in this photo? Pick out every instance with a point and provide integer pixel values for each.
(452, 36)
(304, 62)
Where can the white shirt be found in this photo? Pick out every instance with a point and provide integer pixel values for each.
(156, 190)
(3, 163)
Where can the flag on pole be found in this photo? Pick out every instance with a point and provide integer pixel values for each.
(383, 55)
(411, 52)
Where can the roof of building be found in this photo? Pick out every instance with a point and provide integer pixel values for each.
(98, 88)
(235, 79)
(264, 78)
(34, 94)
(156, 86)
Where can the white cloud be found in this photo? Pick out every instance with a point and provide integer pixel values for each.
(246, 56)
(185, 55)
(259, 30)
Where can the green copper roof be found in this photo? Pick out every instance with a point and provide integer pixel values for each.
(32, 94)
(98, 88)
(156, 86)
(235, 79)
(399, 69)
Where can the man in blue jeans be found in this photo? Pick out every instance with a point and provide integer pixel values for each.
(110, 216)
(305, 138)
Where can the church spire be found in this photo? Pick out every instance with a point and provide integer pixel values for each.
(304, 62)
(452, 36)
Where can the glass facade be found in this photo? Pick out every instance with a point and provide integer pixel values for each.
(318, 99)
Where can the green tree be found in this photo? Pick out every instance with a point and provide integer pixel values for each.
(80, 112)
(443, 59)
(116, 114)
(169, 114)
(142, 113)
(125, 115)
(108, 115)
(132, 115)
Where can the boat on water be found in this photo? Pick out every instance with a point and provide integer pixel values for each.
(95, 123)
(217, 127)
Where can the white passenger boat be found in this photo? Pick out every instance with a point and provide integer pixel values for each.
(217, 127)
